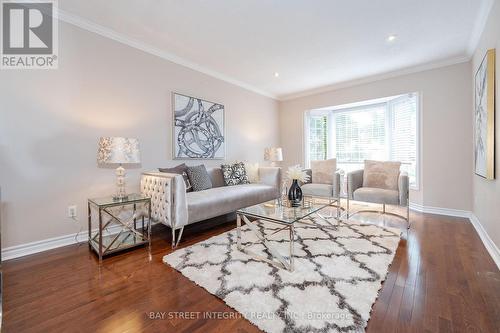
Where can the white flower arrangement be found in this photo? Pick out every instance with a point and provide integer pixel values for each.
(296, 172)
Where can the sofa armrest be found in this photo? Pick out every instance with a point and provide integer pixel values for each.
(168, 197)
(271, 176)
(354, 181)
(404, 188)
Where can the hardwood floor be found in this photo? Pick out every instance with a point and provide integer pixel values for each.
(442, 279)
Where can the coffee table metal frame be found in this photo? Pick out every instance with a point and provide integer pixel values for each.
(278, 259)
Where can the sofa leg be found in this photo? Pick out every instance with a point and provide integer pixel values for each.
(174, 241)
(173, 238)
(179, 237)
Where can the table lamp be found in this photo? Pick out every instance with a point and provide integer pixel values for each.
(117, 150)
(273, 154)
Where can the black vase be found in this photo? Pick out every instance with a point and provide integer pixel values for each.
(295, 194)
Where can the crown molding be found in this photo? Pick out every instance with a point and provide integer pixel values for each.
(377, 77)
(84, 24)
(87, 25)
(480, 24)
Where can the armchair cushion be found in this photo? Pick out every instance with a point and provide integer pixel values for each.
(320, 190)
(383, 175)
(377, 195)
(323, 171)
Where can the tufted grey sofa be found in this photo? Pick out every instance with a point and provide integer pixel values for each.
(172, 206)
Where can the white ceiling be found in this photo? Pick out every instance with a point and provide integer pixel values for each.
(311, 44)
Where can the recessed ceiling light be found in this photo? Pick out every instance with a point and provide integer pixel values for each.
(276, 74)
(391, 38)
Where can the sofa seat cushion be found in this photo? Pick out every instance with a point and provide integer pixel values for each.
(319, 190)
(218, 201)
(376, 195)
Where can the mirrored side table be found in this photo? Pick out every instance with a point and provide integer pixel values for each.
(121, 224)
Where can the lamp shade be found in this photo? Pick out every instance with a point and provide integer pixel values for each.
(117, 150)
(273, 154)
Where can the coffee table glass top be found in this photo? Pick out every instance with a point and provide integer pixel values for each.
(271, 211)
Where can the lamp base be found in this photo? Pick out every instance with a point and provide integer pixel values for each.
(121, 193)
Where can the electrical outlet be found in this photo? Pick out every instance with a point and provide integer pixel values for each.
(71, 211)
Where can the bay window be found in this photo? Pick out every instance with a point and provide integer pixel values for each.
(381, 129)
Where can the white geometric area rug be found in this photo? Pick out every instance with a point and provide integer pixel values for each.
(339, 270)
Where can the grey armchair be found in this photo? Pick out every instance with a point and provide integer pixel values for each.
(383, 195)
(322, 190)
(327, 183)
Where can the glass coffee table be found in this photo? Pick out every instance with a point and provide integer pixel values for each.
(283, 215)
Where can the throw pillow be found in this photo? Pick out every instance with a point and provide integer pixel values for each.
(180, 169)
(234, 174)
(252, 170)
(199, 178)
(379, 174)
(323, 171)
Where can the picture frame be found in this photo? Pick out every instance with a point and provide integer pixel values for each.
(484, 117)
(198, 128)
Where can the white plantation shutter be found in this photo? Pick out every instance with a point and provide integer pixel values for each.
(360, 134)
(318, 137)
(403, 135)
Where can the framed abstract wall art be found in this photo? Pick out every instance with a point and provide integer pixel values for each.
(484, 117)
(198, 128)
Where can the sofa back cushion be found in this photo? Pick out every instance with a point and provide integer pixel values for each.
(380, 174)
(234, 174)
(323, 171)
(216, 177)
(252, 172)
(199, 178)
(180, 169)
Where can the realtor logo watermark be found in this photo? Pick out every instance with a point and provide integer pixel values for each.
(29, 34)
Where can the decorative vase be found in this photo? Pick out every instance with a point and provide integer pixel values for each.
(295, 194)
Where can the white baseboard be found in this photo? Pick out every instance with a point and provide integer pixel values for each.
(485, 238)
(440, 211)
(49, 244)
(487, 241)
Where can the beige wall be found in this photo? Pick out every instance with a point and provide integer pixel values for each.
(50, 122)
(487, 192)
(446, 140)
